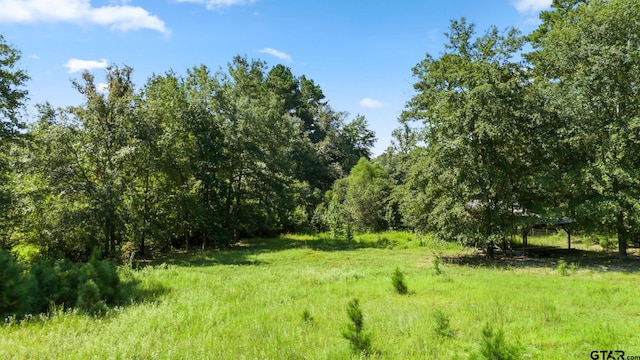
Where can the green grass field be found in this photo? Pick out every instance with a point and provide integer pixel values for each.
(286, 298)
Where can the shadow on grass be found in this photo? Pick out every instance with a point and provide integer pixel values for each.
(538, 256)
(242, 253)
(318, 244)
(134, 291)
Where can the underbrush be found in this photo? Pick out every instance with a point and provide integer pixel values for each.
(35, 288)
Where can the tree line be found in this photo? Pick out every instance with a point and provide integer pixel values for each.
(201, 159)
(496, 139)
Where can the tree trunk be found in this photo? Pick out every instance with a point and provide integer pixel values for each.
(112, 239)
(622, 234)
(142, 250)
(490, 250)
(525, 239)
(145, 215)
(187, 231)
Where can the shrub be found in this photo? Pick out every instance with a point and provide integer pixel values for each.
(26, 253)
(607, 243)
(360, 340)
(127, 253)
(562, 268)
(105, 275)
(436, 265)
(306, 316)
(89, 300)
(66, 282)
(13, 287)
(348, 233)
(62, 283)
(44, 285)
(494, 346)
(55, 283)
(398, 282)
(441, 324)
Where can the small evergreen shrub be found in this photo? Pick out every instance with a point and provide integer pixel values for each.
(436, 265)
(89, 300)
(306, 316)
(106, 277)
(442, 324)
(44, 285)
(493, 346)
(359, 340)
(13, 287)
(398, 282)
(59, 284)
(66, 283)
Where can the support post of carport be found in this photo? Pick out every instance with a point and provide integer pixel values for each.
(568, 231)
(525, 234)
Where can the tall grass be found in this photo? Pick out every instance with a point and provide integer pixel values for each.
(249, 303)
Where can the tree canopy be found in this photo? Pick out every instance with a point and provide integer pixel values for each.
(205, 158)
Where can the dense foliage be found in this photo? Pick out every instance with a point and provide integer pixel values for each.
(493, 141)
(89, 286)
(208, 157)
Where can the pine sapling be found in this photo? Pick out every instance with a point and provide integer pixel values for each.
(398, 282)
(360, 340)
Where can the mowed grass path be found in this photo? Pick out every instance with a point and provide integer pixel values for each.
(248, 303)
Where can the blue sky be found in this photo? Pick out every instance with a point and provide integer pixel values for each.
(360, 52)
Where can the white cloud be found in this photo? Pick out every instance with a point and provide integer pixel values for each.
(371, 103)
(35, 56)
(217, 4)
(102, 88)
(279, 54)
(126, 18)
(118, 17)
(76, 65)
(531, 6)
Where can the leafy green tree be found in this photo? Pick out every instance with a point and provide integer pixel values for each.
(209, 156)
(329, 146)
(200, 148)
(54, 211)
(106, 150)
(472, 101)
(12, 92)
(161, 193)
(360, 200)
(586, 56)
(79, 166)
(12, 100)
(408, 207)
(257, 139)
